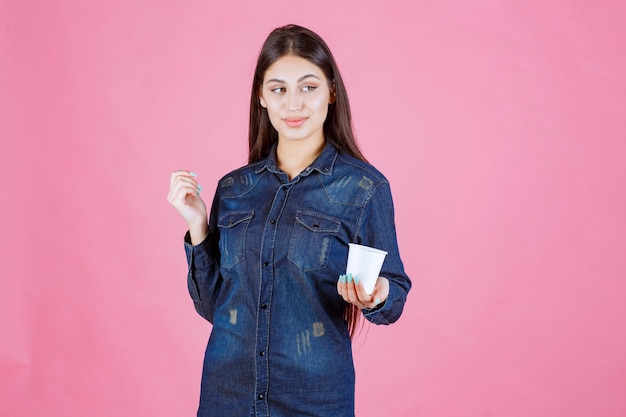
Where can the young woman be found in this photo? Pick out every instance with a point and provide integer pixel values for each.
(266, 265)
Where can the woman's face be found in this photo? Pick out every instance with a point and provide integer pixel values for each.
(296, 94)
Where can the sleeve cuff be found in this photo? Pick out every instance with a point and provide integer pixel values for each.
(197, 255)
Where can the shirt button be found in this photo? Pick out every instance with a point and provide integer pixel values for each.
(261, 396)
(264, 306)
(272, 221)
(266, 263)
(262, 353)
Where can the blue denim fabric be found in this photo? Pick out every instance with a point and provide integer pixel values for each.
(266, 278)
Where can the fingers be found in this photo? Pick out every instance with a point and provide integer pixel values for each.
(184, 196)
(182, 184)
(353, 292)
(381, 290)
(181, 174)
(184, 176)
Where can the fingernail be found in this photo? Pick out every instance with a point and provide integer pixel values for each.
(377, 300)
(356, 280)
(342, 279)
(193, 174)
(349, 278)
(199, 188)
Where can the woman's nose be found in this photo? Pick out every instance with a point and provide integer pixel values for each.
(295, 101)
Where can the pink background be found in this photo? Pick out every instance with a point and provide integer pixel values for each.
(499, 124)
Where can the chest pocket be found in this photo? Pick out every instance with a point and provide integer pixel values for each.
(311, 239)
(233, 226)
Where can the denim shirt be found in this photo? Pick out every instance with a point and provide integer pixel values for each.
(266, 278)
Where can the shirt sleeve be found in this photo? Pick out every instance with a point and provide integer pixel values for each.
(203, 277)
(378, 230)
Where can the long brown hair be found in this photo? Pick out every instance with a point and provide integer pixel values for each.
(299, 41)
(302, 42)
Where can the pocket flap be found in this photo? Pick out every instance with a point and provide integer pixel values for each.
(317, 222)
(233, 218)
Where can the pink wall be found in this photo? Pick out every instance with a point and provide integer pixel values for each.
(500, 126)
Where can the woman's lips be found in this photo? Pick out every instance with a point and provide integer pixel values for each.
(294, 122)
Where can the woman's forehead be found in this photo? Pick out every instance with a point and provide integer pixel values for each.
(292, 68)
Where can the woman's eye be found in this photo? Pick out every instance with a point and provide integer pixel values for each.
(309, 87)
(278, 90)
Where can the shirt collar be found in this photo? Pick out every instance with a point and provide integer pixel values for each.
(323, 164)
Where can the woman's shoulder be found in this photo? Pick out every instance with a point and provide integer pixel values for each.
(239, 174)
(353, 182)
(347, 164)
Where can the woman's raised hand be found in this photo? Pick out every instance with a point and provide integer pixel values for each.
(184, 195)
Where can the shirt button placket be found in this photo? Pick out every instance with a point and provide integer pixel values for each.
(267, 276)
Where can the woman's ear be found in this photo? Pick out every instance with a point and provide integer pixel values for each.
(262, 102)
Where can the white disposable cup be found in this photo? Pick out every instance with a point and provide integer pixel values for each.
(365, 263)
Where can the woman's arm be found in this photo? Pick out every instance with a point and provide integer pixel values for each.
(203, 278)
(377, 229)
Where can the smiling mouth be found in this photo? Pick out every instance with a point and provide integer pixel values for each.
(294, 122)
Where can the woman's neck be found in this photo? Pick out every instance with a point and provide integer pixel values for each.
(295, 156)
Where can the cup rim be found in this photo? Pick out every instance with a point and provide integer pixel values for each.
(368, 248)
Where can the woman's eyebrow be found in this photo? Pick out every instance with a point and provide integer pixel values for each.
(304, 77)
